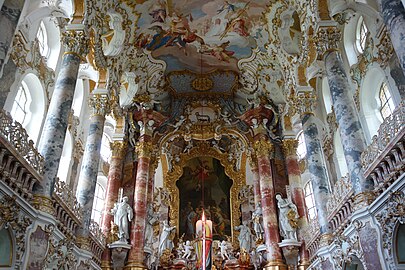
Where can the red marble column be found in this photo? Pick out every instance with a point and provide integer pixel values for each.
(297, 193)
(113, 185)
(264, 148)
(256, 180)
(136, 254)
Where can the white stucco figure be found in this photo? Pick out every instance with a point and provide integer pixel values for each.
(188, 250)
(224, 247)
(245, 236)
(166, 237)
(257, 218)
(151, 219)
(288, 217)
(123, 214)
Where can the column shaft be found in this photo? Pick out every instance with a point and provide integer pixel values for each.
(54, 131)
(297, 193)
(136, 254)
(88, 173)
(256, 181)
(349, 125)
(271, 231)
(393, 13)
(317, 170)
(113, 185)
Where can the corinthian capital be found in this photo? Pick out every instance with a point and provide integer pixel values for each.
(99, 103)
(290, 147)
(118, 149)
(327, 39)
(76, 42)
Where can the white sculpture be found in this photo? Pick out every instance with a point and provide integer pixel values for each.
(166, 237)
(188, 250)
(257, 217)
(123, 214)
(151, 219)
(244, 237)
(288, 218)
(224, 249)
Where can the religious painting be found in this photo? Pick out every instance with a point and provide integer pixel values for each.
(201, 35)
(204, 185)
(38, 249)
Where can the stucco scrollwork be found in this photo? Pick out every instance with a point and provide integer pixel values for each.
(392, 213)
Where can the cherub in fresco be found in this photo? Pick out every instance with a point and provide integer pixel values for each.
(158, 13)
(237, 22)
(219, 51)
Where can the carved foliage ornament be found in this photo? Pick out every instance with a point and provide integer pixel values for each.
(99, 104)
(327, 39)
(11, 217)
(393, 212)
(76, 42)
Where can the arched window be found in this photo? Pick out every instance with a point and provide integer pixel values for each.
(310, 200)
(361, 35)
(105, 150)
(98, 203)
(387, 104)
(21, 104)
(42, 37)
(302, 148)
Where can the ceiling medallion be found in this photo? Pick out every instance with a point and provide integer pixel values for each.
(202, 83)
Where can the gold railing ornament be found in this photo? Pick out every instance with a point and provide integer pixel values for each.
(67, 197)
(17, 136)
(342, 190)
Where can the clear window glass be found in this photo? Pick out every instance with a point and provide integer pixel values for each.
(43, 40)
(98, 204)
(302, 148)
(310, 200)
(361, 35)
(20, 105)
(387, 104)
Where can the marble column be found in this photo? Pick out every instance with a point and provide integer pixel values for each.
(351, 133)
(263, 148)
(393, 14)
(77, 157)
(136, 254)
(54, 130)
(297, 193)
(256, 179)
(317, 169)
(114, 180)
(88, 173)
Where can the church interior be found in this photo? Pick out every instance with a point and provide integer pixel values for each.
(212, 135)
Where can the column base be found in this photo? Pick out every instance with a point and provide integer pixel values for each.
(303, 265)
(135, 266)
(106, 265)
(275, 265)
(362, 200)
(43, 204)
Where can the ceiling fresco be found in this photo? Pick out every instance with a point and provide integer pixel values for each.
(201, 36)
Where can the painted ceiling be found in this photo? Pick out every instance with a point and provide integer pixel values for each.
(201, 36)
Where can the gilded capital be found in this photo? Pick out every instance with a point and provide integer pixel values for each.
(144, 149)
(290, 147)
(306, 102)
(118, 149)
(76, 42)
(263, 147)
(327, 39)
(99, 104)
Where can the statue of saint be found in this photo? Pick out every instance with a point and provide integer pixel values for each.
(151, 219)
(257, 217)
(288, 218)
(123, 214)
(166, 237)
(244, 237)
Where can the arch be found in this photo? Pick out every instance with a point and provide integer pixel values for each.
(34, 110)
(369, 102)
(6, 249)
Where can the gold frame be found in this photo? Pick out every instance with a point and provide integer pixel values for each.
(204, 149)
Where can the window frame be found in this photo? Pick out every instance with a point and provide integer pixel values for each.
(311, 208)
(361, 35)
(42, 38)
(98, 203)
(23, 91)
(386, 101)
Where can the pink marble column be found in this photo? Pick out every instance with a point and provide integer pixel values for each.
(256, 180)
(136, 254)
(264, 148)
(113, 185)
(297, 193)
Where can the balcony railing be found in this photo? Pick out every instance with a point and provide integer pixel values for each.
(384, 159)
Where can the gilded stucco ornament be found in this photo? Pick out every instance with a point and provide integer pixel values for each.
(345, 249)
(99, 104)
(12, 217)
(76, 42)
(391, 215)
(327, 39)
